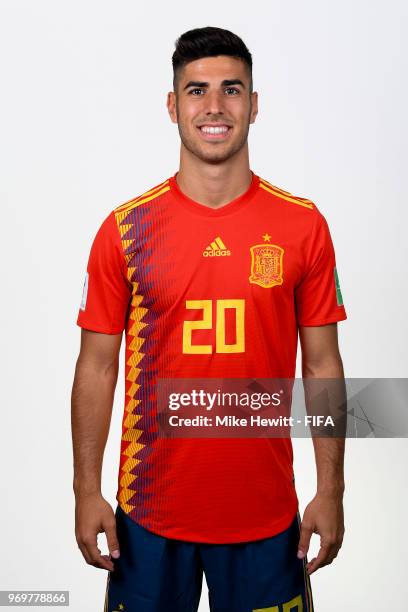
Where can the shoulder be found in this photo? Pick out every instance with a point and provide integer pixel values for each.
(117, 221)
(289, 202)
(144, 199)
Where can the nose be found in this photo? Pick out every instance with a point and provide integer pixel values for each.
(214, 103)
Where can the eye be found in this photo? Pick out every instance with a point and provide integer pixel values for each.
(194, 90)
(233, 89)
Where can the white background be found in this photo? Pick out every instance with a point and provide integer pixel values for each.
(84, 128)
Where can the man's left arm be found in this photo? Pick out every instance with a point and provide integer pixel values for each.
(324, 514)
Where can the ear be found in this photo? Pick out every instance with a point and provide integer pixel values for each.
(171, 106)
(254, 106)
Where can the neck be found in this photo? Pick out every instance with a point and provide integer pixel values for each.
(214, 185)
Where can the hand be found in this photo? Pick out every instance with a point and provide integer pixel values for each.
(324, 515)
(94, 515)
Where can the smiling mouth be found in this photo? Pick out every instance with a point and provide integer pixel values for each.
(214, 132)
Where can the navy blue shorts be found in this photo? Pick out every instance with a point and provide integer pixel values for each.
(158, 574)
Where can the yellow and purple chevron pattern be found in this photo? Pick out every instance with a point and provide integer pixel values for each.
(132, 224)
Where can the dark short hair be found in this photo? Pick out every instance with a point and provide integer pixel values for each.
(209, 42)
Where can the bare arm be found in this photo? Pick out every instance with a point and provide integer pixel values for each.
(324, 515)
(91, 409)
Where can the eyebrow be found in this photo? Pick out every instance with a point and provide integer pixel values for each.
(225, 83)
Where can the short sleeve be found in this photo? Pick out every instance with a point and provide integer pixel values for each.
(107, 290)
(318, 296)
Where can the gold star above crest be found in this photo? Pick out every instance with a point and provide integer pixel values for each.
(121, 606)
(266, 237)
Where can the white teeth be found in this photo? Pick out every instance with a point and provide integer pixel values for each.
(214, 130)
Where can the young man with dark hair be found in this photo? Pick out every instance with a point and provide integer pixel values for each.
(212, 273)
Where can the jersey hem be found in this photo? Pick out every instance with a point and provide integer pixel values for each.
(237, 538)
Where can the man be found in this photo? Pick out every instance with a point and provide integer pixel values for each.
(212, 273)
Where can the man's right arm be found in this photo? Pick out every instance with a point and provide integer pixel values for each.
(92, 396)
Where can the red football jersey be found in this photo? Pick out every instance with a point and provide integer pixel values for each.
(208, 293)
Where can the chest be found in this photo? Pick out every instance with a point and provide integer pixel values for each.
(260, 259)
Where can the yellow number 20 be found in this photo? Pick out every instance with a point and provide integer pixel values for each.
(206, 323)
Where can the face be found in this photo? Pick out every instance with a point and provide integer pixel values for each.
(213, 107)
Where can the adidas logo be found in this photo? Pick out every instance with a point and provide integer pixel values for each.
(216, 249)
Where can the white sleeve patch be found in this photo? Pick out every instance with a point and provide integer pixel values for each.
(84, 292)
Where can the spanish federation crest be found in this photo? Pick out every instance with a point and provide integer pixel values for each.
(266, 264)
